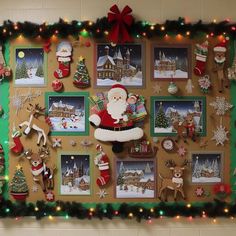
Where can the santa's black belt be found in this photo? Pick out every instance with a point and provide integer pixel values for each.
(116, 128)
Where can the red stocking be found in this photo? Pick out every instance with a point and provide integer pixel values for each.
(63, 70)
(18, 147)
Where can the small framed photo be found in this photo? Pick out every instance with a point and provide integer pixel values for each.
(68, 113)
(207, 167)
(30, 66)
(135, 178)
(122, 63)
(74, 174)
(167, 112)
(171, 62)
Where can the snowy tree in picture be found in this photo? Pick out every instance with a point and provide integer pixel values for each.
(29, 69)
(147, 169)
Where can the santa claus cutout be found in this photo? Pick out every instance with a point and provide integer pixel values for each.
(113, 122)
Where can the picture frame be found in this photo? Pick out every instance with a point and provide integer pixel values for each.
(176, 109)
(206, 167)
(135, 178)
(122, 63)
(75, 174)
(68, 113)
(30, 66)
(170, 62)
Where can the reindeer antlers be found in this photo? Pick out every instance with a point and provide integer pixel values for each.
(43, 152)
(170, 163)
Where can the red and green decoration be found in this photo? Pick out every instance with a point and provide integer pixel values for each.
(2, 170)
(18, 186)
(81, 77)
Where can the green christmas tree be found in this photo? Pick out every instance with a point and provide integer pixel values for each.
(21, 70)
(39, 71)
(81, 77)
(161, 120)
(18, 183)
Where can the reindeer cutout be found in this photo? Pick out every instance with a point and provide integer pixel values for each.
(42, 127)
(176, 182)
(179, 127)
(42, 174)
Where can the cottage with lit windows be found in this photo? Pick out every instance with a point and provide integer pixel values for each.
(59, 109)
(164, 64)
(115, 67)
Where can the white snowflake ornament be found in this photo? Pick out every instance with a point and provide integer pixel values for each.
(49, 196)
(220, 135)
(156, 88)
(35, 188)
(102, 193)
(221, 106)
(56, 142)
(181, 151)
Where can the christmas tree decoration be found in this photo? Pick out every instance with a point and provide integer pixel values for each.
(181, 151)
(161, 120)
(199, 191)
(49, 196)
(63, 53)
(156, 88)
(81, 77)
(18, 186)
(102, 193)
(219, 66)
(189, 86)
(201, 52)
(42, 174)
(57, 85)
(220, 135)
(142, 149)
(121, 22)
(204, 83)
(172, 88)
(113, 122)
(102, 161)
(221, 106)
(176, 182)
(56, 142)
(41, 127)
(221, 190)
(5, 71)
(18, 147)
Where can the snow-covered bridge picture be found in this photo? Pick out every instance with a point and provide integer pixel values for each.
(30, 69)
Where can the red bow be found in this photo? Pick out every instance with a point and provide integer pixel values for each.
(122, 20)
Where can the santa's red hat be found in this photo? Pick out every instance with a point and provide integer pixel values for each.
(220, 47)
(117, 88)
(103, 163)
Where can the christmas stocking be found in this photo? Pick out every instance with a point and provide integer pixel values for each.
(201, 57)
(63, 70)
(102, 161)
(18, 147)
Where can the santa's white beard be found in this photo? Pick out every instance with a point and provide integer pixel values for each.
(219, 61)
(116, 109)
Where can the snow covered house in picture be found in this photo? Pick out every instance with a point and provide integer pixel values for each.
(59, 109)
(116, 65)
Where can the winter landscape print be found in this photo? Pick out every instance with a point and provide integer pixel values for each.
(29, 67)
(67, 113)
(135, 179)
(75, 174)
(207, 167)
(119, 64)
(170, 114)
(171, 62)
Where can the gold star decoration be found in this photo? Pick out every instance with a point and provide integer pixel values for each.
(18, 167)
(156, 88)
(81, 58)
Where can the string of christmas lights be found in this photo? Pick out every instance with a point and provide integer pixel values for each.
(101, 28)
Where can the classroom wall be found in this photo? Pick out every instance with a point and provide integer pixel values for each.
(154, 11)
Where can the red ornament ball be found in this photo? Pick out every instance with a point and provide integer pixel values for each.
(87, 44)
(57, 85)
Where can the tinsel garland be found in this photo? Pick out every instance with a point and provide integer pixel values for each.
(125, 211)
(101, 28)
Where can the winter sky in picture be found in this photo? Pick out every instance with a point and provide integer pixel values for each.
(29, 66)
(206, 167)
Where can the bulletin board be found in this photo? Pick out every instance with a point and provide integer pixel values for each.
(209, 168)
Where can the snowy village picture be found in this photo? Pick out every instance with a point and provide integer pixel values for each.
(171, 62)
(68, 113)
(122, 63)
(207, 167)
(135, 179)
(74, 174)
(30, 67)
(168, 115)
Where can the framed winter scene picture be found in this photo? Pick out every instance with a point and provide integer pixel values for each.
(30, 67)
(171, 62)
(74, 171)
(68, 113)
(182, 116)
(207, 167)
(122, 63)
(135, 178)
